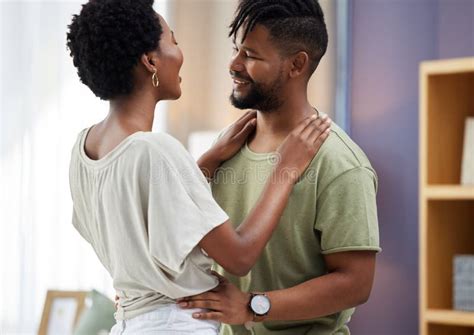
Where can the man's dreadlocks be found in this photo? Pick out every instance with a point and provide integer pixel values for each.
(294, 25)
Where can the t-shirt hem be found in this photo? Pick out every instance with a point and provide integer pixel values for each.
(351, 248)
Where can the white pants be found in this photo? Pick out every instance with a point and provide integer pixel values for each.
(166, 320)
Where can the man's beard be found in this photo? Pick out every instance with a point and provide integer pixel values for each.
(259, 98)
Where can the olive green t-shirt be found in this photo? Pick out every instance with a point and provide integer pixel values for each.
(331, 209)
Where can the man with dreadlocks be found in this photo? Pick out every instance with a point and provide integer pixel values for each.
(320, 261)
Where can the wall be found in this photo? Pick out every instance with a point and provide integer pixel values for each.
(389, 39)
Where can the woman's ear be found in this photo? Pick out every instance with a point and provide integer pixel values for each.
(150, 61)
(299, 64)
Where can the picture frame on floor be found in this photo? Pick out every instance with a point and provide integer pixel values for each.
(61, 312)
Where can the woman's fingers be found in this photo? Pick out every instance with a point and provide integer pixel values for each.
(319, 130)
(248, 128)
(318, 142)
(245, 118)
(314, 124)
(303, 124)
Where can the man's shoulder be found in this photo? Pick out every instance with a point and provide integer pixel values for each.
(339, 155)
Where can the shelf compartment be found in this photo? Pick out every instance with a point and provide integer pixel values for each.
(449, 231)
(448, 99)
(439, 329)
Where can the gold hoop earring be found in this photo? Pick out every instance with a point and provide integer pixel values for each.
(154, 80)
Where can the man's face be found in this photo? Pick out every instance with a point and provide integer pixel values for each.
(257, 72)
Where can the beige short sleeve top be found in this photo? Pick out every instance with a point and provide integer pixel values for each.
(144, 207)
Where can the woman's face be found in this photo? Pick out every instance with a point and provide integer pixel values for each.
(170, 61)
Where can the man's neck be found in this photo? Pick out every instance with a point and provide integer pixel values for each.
(274, 126)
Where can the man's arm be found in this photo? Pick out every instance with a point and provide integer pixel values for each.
(347, 284)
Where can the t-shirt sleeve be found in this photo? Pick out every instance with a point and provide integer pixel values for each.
(347, 213)
(181, 208)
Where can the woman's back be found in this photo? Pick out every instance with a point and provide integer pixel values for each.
(143, 207)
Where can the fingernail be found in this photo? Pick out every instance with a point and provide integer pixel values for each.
(196, 315)
(183, 304)
(314, 116)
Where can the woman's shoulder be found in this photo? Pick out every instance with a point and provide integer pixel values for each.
(160, 141)
(160, 144)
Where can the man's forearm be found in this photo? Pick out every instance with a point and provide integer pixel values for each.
(317, 297)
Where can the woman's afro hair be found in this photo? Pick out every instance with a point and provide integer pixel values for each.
(106, 41)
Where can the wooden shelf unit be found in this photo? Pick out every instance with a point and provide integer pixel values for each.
(446, 207)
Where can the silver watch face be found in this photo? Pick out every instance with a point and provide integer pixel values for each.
(260, 304)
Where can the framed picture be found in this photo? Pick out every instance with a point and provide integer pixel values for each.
(61, 312)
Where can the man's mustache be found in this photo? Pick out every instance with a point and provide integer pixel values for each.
(239, 76)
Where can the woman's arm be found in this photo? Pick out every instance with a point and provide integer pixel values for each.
(228, 145)
(238, 250)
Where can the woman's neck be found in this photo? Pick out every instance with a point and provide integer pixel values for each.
(132, 113)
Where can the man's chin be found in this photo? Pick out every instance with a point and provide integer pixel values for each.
(239, 102)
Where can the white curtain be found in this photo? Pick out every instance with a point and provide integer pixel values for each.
(42, 108)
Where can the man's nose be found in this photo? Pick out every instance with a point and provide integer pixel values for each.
(236, 64)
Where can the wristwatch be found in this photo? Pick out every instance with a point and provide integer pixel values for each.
(259, 305)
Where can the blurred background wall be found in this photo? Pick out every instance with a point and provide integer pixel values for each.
(389, 40)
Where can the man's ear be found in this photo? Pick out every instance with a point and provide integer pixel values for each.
(299, 64)
(150, 60)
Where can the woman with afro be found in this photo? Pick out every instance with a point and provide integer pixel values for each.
(139, 199)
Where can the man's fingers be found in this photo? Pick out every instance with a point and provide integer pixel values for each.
(203, 296)
(221, 278)
(209, 316)
(207, 304)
